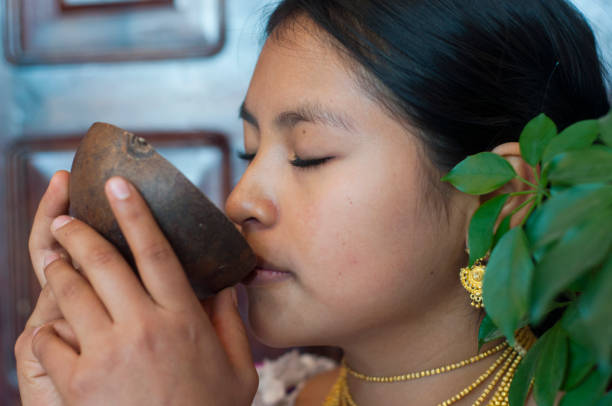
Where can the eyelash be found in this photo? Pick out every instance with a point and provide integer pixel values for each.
(297, 161)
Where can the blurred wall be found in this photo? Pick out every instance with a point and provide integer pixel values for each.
(599, 14)
(184, 94)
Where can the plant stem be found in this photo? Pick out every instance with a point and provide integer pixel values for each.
(537, 176)
(525, 203)
(527, 182)
(528, 214)
(524, 192)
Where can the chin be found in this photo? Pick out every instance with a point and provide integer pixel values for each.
(277, 326)
(287, 329)
(271, 330)
(274, 337)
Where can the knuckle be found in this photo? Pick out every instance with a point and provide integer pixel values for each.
(146, 338)
(46, 294)
(134, 213)
(190, 332)
(158, 251)
(69, 288)
(102, 256)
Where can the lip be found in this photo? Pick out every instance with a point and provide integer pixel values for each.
(265, 273)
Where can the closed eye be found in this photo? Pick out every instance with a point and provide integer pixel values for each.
(296, 161)
(308, 163)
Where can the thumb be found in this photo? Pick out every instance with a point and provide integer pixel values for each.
(231, 330)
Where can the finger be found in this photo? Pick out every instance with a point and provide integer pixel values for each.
(231, 330)
(56, 357)
(46, 309)
(159, 268)
(64, 331)
(106, 270)
(53, 203)
(77, 300)
(207, 305)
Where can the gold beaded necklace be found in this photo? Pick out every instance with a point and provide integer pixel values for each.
(502, 370)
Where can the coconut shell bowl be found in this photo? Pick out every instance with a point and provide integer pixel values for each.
(212, 251)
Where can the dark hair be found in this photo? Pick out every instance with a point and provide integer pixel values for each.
(468, 74)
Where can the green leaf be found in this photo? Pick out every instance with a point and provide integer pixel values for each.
(580, 249)
(589, 165)
(605, 128)
(589, 391)
(535, 137)
(480, 234)
(480, 174)
(488, 331)
(580, 284)
(606, 400)
(591, 324)
(566, 209)
(506, 281)
(580, 363)
(577, 136)
(550, 367)
(519, 388)
(503, 228)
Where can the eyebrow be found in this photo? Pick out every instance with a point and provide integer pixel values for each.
(308, 112)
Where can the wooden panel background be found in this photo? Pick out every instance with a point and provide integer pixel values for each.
(62, 31)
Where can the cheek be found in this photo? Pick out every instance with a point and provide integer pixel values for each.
(363, 232)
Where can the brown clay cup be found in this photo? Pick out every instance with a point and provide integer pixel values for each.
(212, 251)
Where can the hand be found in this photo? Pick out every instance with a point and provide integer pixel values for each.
(35, 386)
(137, 346)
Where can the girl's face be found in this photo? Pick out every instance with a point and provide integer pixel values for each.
(337, 198)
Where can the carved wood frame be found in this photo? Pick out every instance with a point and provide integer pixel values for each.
(34, 28)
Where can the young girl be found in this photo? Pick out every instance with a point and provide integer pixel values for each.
(355, 111)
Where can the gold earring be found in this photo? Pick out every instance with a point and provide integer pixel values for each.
(471, 278)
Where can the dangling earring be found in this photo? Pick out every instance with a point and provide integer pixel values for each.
(471, 278)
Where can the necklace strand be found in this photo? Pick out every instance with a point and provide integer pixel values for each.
(426, 372)
(505, 357)
(498, 388)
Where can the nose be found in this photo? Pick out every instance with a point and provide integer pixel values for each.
(250, 204)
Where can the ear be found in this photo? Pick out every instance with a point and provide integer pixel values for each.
(512, 153)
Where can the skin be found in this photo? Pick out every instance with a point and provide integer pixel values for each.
(100, 337)
(373, 266)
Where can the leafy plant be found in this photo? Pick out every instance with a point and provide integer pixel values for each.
(554, 270)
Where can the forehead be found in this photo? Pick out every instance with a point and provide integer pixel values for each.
(298, 63)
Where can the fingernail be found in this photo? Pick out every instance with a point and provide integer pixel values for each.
(49, 258)
(60, 222)
(119, 188)
(36, 330)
